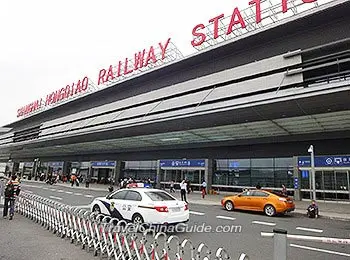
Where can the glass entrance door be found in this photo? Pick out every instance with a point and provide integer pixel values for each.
(342, 185)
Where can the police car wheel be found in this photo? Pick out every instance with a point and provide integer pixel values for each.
(96, 209)
(137, 219)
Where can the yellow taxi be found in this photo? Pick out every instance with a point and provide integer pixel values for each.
(269, 202)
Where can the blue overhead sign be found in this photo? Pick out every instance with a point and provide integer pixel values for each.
(234, 164)
(103, 164)
(182, 163)
(55, 164)
(325, 161)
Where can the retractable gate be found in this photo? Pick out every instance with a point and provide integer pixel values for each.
(110, 237)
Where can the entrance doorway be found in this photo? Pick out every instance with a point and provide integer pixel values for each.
(195, 177)
(330, 184)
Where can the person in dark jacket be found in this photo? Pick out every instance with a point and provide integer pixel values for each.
(12, 190)
(312, 210)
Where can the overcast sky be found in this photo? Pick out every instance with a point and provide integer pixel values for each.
(46, 45)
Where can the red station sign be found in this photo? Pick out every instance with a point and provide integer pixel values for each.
(141, 60)
(236, 19)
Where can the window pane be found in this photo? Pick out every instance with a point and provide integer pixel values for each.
(266, 162)
(284, 162)
(237, 163)
(133, 195)
(263, 173)
(120, 195)
(159, 196)
(221, 164)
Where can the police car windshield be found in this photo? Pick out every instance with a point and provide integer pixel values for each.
(158, 196)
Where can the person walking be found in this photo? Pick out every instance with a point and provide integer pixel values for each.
(204, 189)
(183, 187)
(172, 186)
(12, 190)
(284, 190)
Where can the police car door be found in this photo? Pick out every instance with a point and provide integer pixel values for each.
(130, 204)
(115, 204)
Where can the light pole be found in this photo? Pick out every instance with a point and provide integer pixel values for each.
(313, 174)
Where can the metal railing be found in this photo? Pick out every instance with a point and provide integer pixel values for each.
(281, 237)
(109, 237)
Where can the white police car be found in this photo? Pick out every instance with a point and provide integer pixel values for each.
(140, 205)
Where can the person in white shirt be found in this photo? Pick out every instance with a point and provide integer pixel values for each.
(183, 187)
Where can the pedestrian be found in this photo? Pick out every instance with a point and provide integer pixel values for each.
(312, 210)
(204, 189)
(284, 190)
(2, 186)
(12, 190)
(172, 186)
(183, 187)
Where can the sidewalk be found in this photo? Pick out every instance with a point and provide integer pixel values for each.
(328, 209)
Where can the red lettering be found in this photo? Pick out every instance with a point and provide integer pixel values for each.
(284, 6)
(151, 56)
(85, 84)
(48, 99)
(67, 91)
(110, 74)
(19, 112)
(101, 77)
(126, 67)
(119, 72)
(62, 94)
(309, 1)
(215, 20)
(196, 34)
(257, 9)
(233, 22)
(163, 48)
(139, 59)
(77, 88)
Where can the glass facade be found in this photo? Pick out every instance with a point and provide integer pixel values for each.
(140, 170)
(267, 172)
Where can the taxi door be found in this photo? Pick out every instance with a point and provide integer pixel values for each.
(130, 204)
(244, 200)
(259, 200)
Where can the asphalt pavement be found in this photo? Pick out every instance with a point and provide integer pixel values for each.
(238, 232)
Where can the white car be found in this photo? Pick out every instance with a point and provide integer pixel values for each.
(142, 205)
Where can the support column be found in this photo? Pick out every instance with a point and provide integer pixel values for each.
(208, 173)
(296, 179)
(157, 181)
(117, 171)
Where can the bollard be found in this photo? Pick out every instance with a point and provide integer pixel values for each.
(280, 244)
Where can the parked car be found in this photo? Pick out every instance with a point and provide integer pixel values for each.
(269, 202)
(142, 205)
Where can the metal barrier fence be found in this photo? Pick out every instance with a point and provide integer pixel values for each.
(280, 237)
(111, 238)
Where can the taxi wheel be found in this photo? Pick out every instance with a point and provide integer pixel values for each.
(96, 209)
(229, 205)
(269, 210)
(137, 219)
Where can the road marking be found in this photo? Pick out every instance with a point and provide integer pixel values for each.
(88, 196)
(310, 229)
(45, 188)
(197, 213)
(225, 217)
(60, 191)
(56, 198)
(319, 250)
(68, 192)
(53, 189)
(78, 194)
(264, 223)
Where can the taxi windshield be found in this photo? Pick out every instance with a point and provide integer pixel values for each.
(159, 196)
